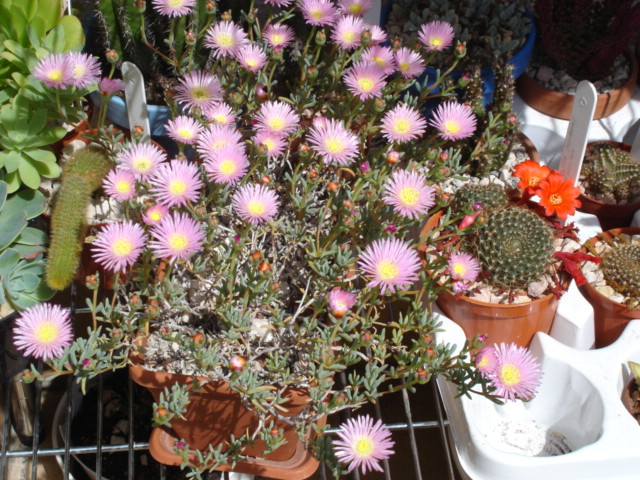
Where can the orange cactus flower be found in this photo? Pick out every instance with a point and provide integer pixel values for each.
(558, 195)
(530, 174)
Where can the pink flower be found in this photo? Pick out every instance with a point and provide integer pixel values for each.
(410, 63)
(183, 129)
(363, 444)
(174, 8)
(454, 121)
(227, 165)
(347, 32)
(120, 184)
(109, 86)
(334, 143)
(517, 373)
(43, 331)
(278, 35)
(463, 267)
(54, 71)
(408, 194)
(365, 80)
(85, 69)
(389, 264)
(177, 237)
(383, 57)
(255, 203)
(225, 38)
(219, 112)
(487, 361)
(198, 89)
(402, 124)
(155, 214)
(274, 143)
(176, 183)
(141, 159)
(436, 35)
(355, 7)
(378, 35)
(277, 117)
(318, 12)
(252, 57)
(118, 245)
(340, 301)
(216, 137)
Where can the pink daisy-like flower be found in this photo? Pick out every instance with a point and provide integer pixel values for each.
(43, 331)
(255, 203)
(318, 12)
(383, 57)
(219, 112)
(389, 264)
(141, 159)
(278, 35)
(177, 237)
(274, 143)
(118, 245)
(402, 124)
(409, 63)
(109, 86)
(408, 194)
(365, 80)
(225, 38)
(176, 183)
(363, 444)
(277, 117)
(320, 122)
(174, 8)
(378, 35)
(155, 214)
(487, 361)
(183, 129)
(54, 71)
(355, 7)
(216, 137)
(463, 267)
(85, 69)
(517, 374)
(227, 165)
(454, 121)
(120, 184)
(436, 35)
(340, 301)
(458, 286)
(279, 3)
(252, 57)
(334, 143)
(347, 32)
(198, 89)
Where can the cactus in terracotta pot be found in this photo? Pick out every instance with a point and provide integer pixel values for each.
(621, 268)
(608, 170)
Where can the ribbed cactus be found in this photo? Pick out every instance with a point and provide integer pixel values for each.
(621, 269)
(491, 197)
(516, 246)
(610, 170)
(81, 176)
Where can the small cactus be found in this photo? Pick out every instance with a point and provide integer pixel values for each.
(81, 176)
(611, 171)
(515, 245)
(492, 197)
(621, 269)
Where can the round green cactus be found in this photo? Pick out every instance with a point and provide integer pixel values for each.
(621, 269)
(492, 197)
(516, 246)
(610, 170)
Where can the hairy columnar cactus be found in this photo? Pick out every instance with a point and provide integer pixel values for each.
(610, 170)
(515, 245)
(621, 269)
(81, 176)
(492, 197)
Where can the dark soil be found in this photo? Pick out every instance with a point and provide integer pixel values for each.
(634, 404)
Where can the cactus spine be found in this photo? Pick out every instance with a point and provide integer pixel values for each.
(621, 269)
(81, 176)
(611, 171)
(492, 197)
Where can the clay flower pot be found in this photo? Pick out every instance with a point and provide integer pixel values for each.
(610, 215)
(214, 413)
(559, 104)
(610, 318)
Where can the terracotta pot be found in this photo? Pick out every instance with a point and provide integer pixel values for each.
(610, 215)
(559, 104)
(610, 318)
(215, 412)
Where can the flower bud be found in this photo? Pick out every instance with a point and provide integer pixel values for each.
(27, 376)
(395, 44)
(321, 37)
(464, 80)
(236, 97)
(262, 149)
(512, 119)
(347, 203)
(391, 228)
(365, 37)
(210, 7)
(134, 300)
(264, 267)
(251, 17)
(237, 363)
(393, 157)
(261, 92)
(467, 221)
(198, 338)
(320, 122)
(266, 180)
(364, 167)
(332, 186)
(92, 282)
(140, 6)
(190, 38)
(379, 105)
(505, 106)
(312, 72)
(112, 56)
(275, 432)
(226, 16)
(256, 256)
(432, 154)
(86, 363)
(313, 174)
(161, 414)
(460, 51)
(303, 150)
(423, 375)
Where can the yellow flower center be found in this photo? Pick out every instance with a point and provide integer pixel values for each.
(276, 124)
(355, 9)
(269, 143)
(227, 167)
(334, 145)
(225, 40)
(220, 118)
(199, 93)
(251, 62)
(379, 61)
(122, 247)
(177, 186)
(365, 84)
(46, 332)
(141, 164)
(409, 196)
(123, 186)
(459, 269)
(277, 39)
(78, 71)
(387, 270)
(452, 126)
(256, 207)
(185, 133)
(349, 37)
(436, 41)
(317, 13)
(155, 215)
(555, 199)
(178, 241)
(510, 374)
(176, 3)
(402, 126)
(404, 65)
(363, 446)
(533, 181)
(484, 361)
(218, 144)
(55, 75)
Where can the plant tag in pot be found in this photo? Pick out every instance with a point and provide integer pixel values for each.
(136, 99)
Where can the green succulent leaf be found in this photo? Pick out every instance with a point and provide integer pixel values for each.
(33, 237)
(8, 260)
(11, 225)
(29, 174)
(32, 202)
